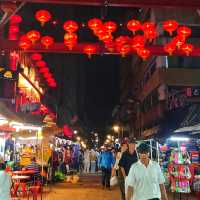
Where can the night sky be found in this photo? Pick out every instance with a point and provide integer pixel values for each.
(88, 88)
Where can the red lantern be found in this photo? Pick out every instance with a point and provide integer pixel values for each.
(95, 24)
(151, 34)
(178, 41)
(41, 63)
(170, 48)
(184, 31)
(124, 49)
(36, 57)
(53, 85)
(148, 26)
(15, 19)
(24, 42)
(47, 75)
(70, 26)
(13, 32)
(33, 36)
(89, 50)
(170, 26)
(133, 25)
(43, 16)
(110, 46)
(110, 26)
(121, 40)
(47, 41)
(44, 70)
(106, 37)
(138, 42)
(143, 53)
(187, 48)
(70, 40)
(50, 80)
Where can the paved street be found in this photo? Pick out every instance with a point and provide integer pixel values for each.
(88, 188)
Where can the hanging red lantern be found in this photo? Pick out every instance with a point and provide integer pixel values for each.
(15, 19)
(110, 26)
(133, 25)
(24, 42)
(41, 63)
(122, 40)
(187, 48)
(70, 26)
(110, 46)
(184, 31)
(47, 75)
(13, 32)
(33, 36)
(170, 48)
(124, 49)
(178, 41)
(170, 26)
(138, 42)
(95, 24)
(36, 57)
(43, 16)
(143, 53)
(106, 37)
(89, 49)
(44, 70)
(47, 41)
(70, 37)
(70, 40)
(148, 26)
(53, 85)
(151, 34)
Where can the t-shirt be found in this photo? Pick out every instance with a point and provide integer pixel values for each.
(145, 180)
(5, 184)
(127, 160)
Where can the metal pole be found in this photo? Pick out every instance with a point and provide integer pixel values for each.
(151, 148)
(158, 152)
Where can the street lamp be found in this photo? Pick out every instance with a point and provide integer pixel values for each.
(116, 128)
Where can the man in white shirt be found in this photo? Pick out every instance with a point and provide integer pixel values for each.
(5, 183)
(145, 180)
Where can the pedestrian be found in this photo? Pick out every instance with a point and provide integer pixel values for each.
(145, 180)
(116, 168)
(106, 163)
(128, 158)
(87, 161)
(93, 158)
(5, 183)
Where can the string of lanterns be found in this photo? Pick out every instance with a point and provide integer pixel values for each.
(142, 34)
(43, 69)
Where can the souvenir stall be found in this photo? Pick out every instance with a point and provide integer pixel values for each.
(179, 159)
(65, 157)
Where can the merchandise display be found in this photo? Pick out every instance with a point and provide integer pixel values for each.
(179, 171)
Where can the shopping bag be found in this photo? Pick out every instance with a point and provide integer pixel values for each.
(113, 181)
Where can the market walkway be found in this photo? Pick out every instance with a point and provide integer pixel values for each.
(88, 188)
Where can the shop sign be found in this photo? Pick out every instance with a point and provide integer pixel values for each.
(7, 74)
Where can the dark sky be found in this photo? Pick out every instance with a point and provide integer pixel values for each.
(87, 87)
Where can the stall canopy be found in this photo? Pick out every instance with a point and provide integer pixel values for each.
(182, 121)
